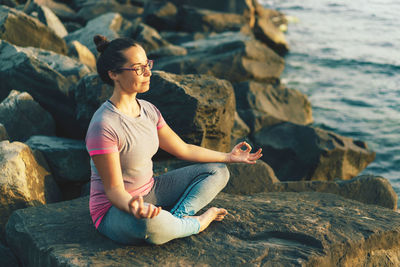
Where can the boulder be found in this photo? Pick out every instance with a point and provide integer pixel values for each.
(23, 70)
(46, 16)
(3, 133)
(61, 10)
(82, 54)
(147, 36)
(167, 51)
(94, 8)
(244, 7)
(16, 24)
(265, 104)
(230, 56)
(162, 15)
(248, 179)
(10, 3)
(239, 130)
(23, 117)
(7, 258)
(297, 152)
(203, 20)
(368, 189)
(199, 108)
(270, 229)
(108, 25)
(25, 180)
(266, 31)
(68, 159)
(178, 38)
(90, 93)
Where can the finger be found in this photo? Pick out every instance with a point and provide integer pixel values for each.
(155, 212)
(150, 209)
(141, 207)
(248, 147)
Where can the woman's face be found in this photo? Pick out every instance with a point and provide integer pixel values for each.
(128, 80)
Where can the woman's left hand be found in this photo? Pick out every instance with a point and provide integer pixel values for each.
(238, 155)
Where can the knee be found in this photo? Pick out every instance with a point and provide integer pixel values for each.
(223, 173)
(154, 233)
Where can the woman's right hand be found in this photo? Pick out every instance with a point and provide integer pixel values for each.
(141, 210)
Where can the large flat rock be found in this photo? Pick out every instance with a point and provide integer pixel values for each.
(268, 229)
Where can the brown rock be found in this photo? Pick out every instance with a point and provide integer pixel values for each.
(199, 108)
(15, 24)
(297, 152)
(82, 53)
(23, 117)
(25, 180)
(266, 104)
(239, 130)
(161, 15)
(3, 133)
(270, 229)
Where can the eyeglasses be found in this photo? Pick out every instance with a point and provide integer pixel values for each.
(141, 68)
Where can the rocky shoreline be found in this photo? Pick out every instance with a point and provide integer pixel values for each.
(216, 82)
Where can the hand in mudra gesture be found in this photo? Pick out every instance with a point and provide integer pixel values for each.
(238, 155)
(142, 210)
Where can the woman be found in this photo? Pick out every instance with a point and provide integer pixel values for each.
(127, 203)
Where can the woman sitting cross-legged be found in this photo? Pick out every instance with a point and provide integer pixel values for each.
(128, 204)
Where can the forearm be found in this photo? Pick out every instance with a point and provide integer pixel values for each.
(201, 154)
(119, 198)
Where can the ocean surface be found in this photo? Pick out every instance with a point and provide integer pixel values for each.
(345, 56)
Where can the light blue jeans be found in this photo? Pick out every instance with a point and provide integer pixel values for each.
(181, 192)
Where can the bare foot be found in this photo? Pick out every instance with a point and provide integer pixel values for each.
(212, 214)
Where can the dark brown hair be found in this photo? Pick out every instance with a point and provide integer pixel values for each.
(111, 55)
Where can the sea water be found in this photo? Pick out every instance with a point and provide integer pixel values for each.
(345, 56)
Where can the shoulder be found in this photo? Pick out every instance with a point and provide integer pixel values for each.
(103, 118)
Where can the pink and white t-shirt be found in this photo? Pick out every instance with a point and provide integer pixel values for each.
(136, 141)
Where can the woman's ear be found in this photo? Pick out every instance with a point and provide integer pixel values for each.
(112, 75)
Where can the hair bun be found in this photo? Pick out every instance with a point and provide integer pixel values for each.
(101, 42)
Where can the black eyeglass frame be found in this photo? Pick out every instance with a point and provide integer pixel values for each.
(140, 70)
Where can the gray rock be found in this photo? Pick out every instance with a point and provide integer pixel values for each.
(68, 159)
(3, 133)
(266, 104)
(23, 71)
(108, 25)
(368, 189)
(14, 28)
(89, 94)
(228, 6)
(204, 20)
(167, 51)
(82, 54)
(46, 16)
(61, 10)
(7, 258)
(25, 180)
(271, 229)
(239, 130)
(297, 152)
(147, 36)
(234, 60)
(199, 108)
(161, 15)
(248, 179)
(23, 117)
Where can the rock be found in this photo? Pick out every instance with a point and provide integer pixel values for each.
(239, 130)
(10, 3)
(167, 51)
(23, 70)
(7, 258)
(94, 8)
(266, 31)
(178, 38)
(25, 180)
(271, 229)
(266, 104)
(108, 25)
(203, 20)
(199, 108)
(68, 159)
(248, 179)
(368, 189)
(82, 54)
(238, 59)
(3, 133)
(46, 16)
(297, 152)
(15, 24)
(228, 6)
(90, 93)
(147, 36)
(61, 10)
(23, 117)
(161, 15)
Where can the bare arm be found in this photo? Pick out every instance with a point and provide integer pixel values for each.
(109, 168)
(173, 144)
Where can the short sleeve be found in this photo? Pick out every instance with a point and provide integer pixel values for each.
(101, 139)
(161, 122)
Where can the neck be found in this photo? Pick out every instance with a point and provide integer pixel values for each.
(126, 103)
